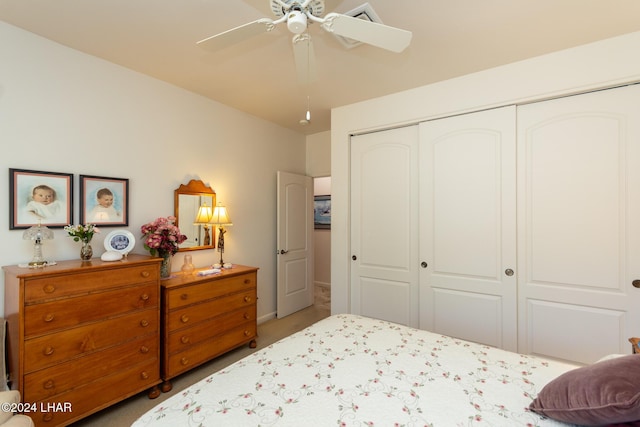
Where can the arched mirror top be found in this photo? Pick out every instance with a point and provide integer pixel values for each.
(188, 199)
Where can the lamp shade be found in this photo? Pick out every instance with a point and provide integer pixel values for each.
(204, 215)
(38, 233)
(220, 216)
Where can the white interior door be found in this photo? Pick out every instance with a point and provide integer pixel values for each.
(467, 227)
(295, 243)
(384, 225)
(579, 224)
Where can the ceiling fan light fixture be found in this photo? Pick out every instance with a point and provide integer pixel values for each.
(281, 7)
(297, 22)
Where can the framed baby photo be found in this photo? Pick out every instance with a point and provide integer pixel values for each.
(37, 197)
(104, 201)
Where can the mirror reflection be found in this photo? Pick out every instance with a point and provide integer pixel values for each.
(193, 204)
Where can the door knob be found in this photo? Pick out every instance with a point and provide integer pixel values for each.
(353, 257)
(282, 251)
(424, 264)
(636, 283)
(508, 272)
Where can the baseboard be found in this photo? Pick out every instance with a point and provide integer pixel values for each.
(266, 317)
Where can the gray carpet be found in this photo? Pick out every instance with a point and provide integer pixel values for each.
(126, 412)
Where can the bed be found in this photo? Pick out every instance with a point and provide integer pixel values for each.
(348, 370)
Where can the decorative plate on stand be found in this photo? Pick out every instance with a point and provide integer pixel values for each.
(121, 241)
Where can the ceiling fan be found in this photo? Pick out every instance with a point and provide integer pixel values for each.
(298, 14)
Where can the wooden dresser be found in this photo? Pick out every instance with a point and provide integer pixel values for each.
(206, 316)
(82, 335)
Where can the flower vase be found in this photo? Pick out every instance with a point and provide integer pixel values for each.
(86, 251)
(165, 266)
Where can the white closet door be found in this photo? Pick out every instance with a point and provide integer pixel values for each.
(579, 224)
(384, 236)
(467, 227)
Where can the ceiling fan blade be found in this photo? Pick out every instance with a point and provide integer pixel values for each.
(373, 33)
(304, 57)
(236, 35)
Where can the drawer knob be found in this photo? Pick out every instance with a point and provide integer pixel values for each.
(48, 416)
(144, 349)
(145, 274)
(48, 385)
(49, 288)
(247, 299)
(48, 317)
(144, 375)
(247, 281)
(184, 296)
(184, 318)
(48, 351)
(185, 339)
(144, 323)
(246, 316)
(184, 361)
(247, 333)
(144, 297)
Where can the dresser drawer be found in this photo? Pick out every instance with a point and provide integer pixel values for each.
(68, 375)
(55, 315)
(179, 297)
(92, 397)
(57, 286)
(57, 347)
(195, 355)
(180, 340)
(194, 314)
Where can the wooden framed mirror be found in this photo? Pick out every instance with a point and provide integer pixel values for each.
(187, 202)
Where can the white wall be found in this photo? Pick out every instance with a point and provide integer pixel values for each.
(319, 154)
(599, 65)
(64, 111)
(319, 166)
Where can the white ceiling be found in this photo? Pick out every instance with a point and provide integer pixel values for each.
(450, 38)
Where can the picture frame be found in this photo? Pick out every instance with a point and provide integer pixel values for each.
(104, 201)
(121, 241)
(39, 197)
(322, 212)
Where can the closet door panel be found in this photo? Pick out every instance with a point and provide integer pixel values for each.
(578, 214)
(545, 317)
(467, 227)
(384, 205)
(467, 308)
(574, 184)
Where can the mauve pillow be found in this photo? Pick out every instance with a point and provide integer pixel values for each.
(606, 392)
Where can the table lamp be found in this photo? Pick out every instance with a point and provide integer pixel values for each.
(37, 233)
(221, 219)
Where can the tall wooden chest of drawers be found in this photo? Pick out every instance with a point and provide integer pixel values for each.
(206, 316)
(82, 335)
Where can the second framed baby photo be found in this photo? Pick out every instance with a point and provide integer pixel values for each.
(104, 201)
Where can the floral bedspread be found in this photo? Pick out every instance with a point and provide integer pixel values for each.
(348, 370)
